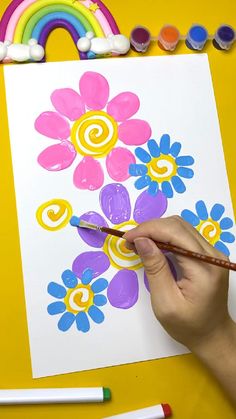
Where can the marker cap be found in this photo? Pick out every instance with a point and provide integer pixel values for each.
(106, 394)
(167, 410)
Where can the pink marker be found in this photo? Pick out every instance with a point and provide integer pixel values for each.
(159, 411)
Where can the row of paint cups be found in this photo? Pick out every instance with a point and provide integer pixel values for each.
(169, 37)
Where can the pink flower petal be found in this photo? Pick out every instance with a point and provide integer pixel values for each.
(88, 174)
(117, 162)
(123, 106)
(52, 125)
(68, 102)
(134, 132)
(94, 90)
(57, 157)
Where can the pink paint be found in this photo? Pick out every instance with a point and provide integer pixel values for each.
(88, 174)
(123, 106)
(68, 102)
(100, 17)
(117, 162)
(57, 157)
(52, 125)
(134, 132)
(94, 90)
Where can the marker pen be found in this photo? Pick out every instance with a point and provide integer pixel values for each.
(55, 395)
(158, 411)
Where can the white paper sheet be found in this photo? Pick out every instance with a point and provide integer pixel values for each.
(176, 97)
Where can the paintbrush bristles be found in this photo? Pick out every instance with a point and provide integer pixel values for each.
(85, 224)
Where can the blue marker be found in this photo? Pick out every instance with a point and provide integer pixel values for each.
(196, 37)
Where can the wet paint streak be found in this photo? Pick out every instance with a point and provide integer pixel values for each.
(115, 203)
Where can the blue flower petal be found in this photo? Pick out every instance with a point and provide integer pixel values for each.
(69, 278)
(226, 223)
(222, 248)
(227, 237)
(99, 300)
(99, 285)
(153, 188)
(178, 184)
(201, 210)
(153, 148)
(82, 322)
(175, 149)
(184, 160)
(142, 155)
(56, 290)
(217, 211)
(96, 315)
(185, 172)
(137, 169)
(87, 276)
(56, 308)
(190, 217)
(167, 189)
(165, 144)
(66, 321)
(142, 182)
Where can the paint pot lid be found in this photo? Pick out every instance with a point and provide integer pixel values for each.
(169, 34)
(198, 34)
(140, 35)
(166, 409)
(226, 33)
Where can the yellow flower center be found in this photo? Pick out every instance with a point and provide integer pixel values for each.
(119, 256)
(210, 230)
(94, 134)
(79, 298)
(162, 168)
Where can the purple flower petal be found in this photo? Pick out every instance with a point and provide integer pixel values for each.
(115, 203)
(122, 292)
(148, 206)
(172, 269)
(91, 237)
(97, 261)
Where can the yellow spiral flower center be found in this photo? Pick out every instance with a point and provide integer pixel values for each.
(162, 168)
(79, 298)
(210, 230)
(54, 214)
(94, 134)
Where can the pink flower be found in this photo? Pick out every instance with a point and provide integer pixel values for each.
(90, 125)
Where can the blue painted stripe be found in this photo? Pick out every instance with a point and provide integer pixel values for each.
(175, 149)
(153, 148)
(142, 155)
(227, 237)
(190, 217)
(99, 285)
(178, 184)
(66, 321)
(56, 290)
(99, 300)
(56, 308)
(226, 223)
(217, 212)
(201, 210)
(153, 188)
(137, 169)
(82, 322)
(142, 182)
(185, 172)
(87, 276)
(69, 278)
(96, 315)
(222, 248)
(184, 160)
(167, 189)
(165, 144)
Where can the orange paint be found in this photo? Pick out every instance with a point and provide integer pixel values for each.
(168, 37)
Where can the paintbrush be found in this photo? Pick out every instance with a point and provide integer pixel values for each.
(78, 222)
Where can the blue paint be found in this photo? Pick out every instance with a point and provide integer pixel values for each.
(185, 172)
(96, 315)
(99, 300)
(226, 223)
(167, 189)
(66, 321)
(153, 148)
(184, 160)
(87, 276)
(178, 184)
(165, 144)
(82, 322)
(224, 37)
(142, 182)
(137, 169)
(201, 210)
(222, 248)
(56, 290)
(175, 149)
(69, 279)
(142, 155)
(99, 285)
(153, 188)
(190, 217)
(56, 308)
(74, 221)
(197, 37)
(227, 237)
(217, 212)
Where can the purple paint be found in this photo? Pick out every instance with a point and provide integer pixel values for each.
(123, 289)
(115, 203)
(172, 269)
(7, 16)
(140, 38)
(98, 262)
(91, 237)
(224, 37)
(148, 207)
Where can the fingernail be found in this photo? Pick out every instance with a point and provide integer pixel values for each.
(129, 245)
(144, 246)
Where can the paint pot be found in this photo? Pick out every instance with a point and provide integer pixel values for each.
(168, 38)
(224, 37)
(140, 38)
(196, 37)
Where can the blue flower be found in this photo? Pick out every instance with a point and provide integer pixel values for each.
(213, 226)
(161, 167)
(78, 301)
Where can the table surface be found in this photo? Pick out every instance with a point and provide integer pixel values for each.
(181, 381)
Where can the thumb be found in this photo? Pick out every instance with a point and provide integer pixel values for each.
(162, 285)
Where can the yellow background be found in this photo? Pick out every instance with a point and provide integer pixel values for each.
(180, 381)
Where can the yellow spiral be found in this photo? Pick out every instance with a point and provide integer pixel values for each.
(54, 214)
(79, 298)
(162, 168)
(210, 230)
(94, 134)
